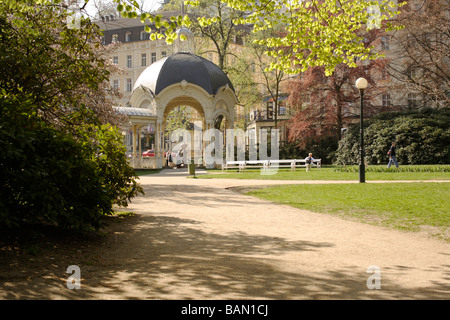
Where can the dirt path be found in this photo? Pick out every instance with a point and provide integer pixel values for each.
(196, 239)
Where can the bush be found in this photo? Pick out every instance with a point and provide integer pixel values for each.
(422, 138)
(324, 149)
(47, 176)
(409, 168)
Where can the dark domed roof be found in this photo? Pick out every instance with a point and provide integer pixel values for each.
(183, 66)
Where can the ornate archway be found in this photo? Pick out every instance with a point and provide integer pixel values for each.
(184, 79)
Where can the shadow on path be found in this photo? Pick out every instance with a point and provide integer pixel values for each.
(165, 257)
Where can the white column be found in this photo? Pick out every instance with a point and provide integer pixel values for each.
(134, 140)
(139, 136)
(158, 137)
(209, 125)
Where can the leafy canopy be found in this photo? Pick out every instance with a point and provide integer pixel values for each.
(315, 32)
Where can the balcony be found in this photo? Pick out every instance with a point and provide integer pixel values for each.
(268, 115)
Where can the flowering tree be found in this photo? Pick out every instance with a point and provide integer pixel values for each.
(323, 104)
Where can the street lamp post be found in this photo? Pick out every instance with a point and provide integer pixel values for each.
(361, 84)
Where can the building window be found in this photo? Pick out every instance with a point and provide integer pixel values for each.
(439, 40)
(163, 54)
(115, 38)
(384, 43)
(426, 102)
(413, 73)
(417, 5)
(153, 57)
(412, 100)
(426, 38)
(116, 60)
(269, 110)
(129, 85)
(128, 37)
(129, 61)
(384, 74)
(116, 84)
(410, 40)
(144, 59)
(143, 35)
(386, 100)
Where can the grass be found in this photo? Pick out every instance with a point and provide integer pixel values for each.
(124, 214)
(408, 206)
(143, 172)
(437, 172)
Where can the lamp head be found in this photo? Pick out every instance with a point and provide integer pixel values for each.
(361, 83)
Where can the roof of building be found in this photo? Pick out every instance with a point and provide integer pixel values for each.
(114, 23)
(183, 66)
(141, 112)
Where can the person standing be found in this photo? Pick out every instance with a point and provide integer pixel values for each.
(392, 155)
(167, 158)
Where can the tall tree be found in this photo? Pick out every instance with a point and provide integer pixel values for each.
(322, 104)
(214, 22)
(320, 32)
(421, 59)
(62, 161)
(65, 70)
(216, 38)
(270, 81)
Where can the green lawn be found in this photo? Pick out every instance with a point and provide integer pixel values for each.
(143, 172)
(440, 172)
(398, 205)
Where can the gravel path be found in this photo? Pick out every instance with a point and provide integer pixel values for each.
(198, 239)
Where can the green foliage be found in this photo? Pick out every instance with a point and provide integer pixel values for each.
(42, 57)
(323, 148)
(178, 118)
(407, 168)
(107, 152)
(422, 138)
(315, 32)
(52, 177)
(60, 163)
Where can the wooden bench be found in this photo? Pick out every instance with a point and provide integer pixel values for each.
(298, 163)
(256, 164)
(266, 164)
(233, 165)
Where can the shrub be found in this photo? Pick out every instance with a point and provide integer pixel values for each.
(422, 138)
(47, 176)
(324, 149)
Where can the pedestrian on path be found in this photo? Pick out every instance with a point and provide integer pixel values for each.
(392, 155)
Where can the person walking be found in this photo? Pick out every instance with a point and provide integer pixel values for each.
(309, 160)
(392, 156)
